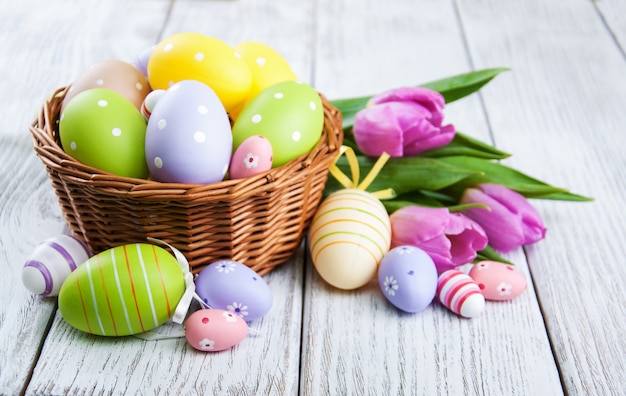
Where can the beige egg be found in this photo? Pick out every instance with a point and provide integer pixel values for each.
(349, 236)
(113, 74)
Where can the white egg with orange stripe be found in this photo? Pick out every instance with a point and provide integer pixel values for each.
(350, 232)
(128, 289)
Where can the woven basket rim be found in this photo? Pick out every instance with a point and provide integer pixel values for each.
(47, 145)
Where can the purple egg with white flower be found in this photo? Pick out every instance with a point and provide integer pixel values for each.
(51, 263)
(408, 278)
(252, 157)
(232, 286)
(189, 138)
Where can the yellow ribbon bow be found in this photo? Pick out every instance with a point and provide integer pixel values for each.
(353, 163)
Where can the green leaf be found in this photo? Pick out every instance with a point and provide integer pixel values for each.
(467, 146)
(493, 172)
(452, 88)
(349, 107)
(566, 196)
(488, 253)
(457, 87)
(405, 175)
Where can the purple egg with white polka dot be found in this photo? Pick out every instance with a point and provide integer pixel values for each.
(188, 138)
(235, 287)
(51, 263)
(408, 278)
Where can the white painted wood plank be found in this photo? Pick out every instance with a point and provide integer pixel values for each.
(48, 44)
(355, 341)
(28, 215)
(561, 113)
(449, 355)
(614, 14)
(266, 362)
(286, 26)
(44, 46)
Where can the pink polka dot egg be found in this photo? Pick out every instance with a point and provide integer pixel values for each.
(51, 263)
(214, 330)
(252, 157)
(498, 281)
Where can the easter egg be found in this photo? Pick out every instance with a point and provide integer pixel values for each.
(267, 66)
(458, 292)
(253, 156)
(289, 114)
(194, 56)
(408, 278)
(498, 281)
(214, 330)
(234, 287)
(142, 59)
(115, 75)
(125, 290)
(102, 129)
(51, 263)
(349, 235)
(188, 138)
(149, 102)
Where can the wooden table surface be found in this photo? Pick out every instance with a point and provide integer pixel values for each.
(560, 111)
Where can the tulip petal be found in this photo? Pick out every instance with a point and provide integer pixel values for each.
(466, 237)
(450, 239)
(532, 225)
(376, 130)
(503, 227)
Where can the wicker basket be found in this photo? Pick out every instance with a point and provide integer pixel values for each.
(259, 221)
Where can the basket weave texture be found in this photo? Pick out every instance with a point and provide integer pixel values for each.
(259, 221)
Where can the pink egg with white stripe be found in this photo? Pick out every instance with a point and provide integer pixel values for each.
(51, 262)
(458, 292)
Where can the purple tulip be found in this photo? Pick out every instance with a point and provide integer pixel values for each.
(511, 221)
(402, 122)
(450, 239)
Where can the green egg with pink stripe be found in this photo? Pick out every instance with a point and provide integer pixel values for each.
(125, 290)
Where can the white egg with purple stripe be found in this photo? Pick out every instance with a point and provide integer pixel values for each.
(51, 263)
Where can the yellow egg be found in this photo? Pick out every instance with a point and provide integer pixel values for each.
(349, 236)
(194, 56)
(267, 66)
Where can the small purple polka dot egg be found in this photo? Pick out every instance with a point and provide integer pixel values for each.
(234, 287)
(188, 138)
(51, 263)
(252, 157)
(141, 60)
(408, 278)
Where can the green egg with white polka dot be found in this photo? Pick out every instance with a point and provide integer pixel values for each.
(289, 114)
(101, 128)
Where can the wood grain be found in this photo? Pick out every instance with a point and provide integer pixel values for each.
(361, 342)
(573, 138)
(558, 111)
